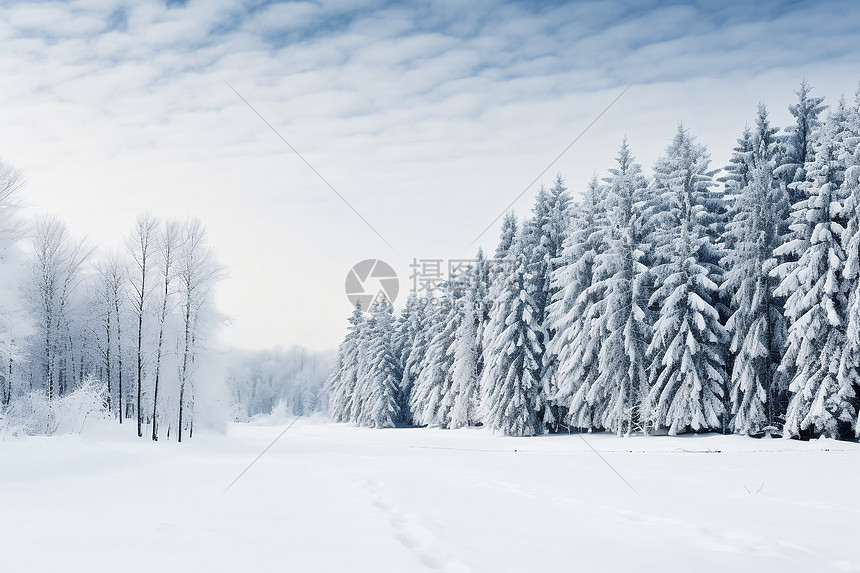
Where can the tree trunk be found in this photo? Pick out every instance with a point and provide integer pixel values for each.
(107, 358)
(139, 365)
(119, 356)
(184, 371)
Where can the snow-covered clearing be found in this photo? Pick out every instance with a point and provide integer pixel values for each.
(331, 497)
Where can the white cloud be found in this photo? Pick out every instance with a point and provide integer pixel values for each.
(428, 119)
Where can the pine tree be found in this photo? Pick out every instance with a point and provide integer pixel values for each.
(849, 369)
(510, 383)
(465, 350)
(432, 400)
(379, 384)
(687, 365)
(800, 140)
(509, 234)
(737, 172)
(757, 325)
(618, 395)
(571, 358)
(344, 376)
(408, 342)
(542, 242)
(816, 293)
(483, 303)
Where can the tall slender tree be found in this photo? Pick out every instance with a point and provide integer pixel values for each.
(167, 247)
(141, 246)
(196, 273)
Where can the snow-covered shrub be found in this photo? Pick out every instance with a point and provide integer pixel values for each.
(34, 414)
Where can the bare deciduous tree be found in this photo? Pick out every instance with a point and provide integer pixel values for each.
(55, 277)
(168, 243)
(142, 246)
(197, 271)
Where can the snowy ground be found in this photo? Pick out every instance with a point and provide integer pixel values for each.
(336, 498)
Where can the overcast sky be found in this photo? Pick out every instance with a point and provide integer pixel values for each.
(428, 119)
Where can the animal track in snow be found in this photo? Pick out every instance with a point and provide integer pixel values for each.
(413, 536)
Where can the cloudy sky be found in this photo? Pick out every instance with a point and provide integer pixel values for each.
(428, 119)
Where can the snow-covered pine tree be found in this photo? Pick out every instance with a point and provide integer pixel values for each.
(482, 303)
(736, 174)
(510, 384)
(797, 153)
(407, 341)
(757, 325)
(816, 304)
(344, 376)
(426, 320)
(379, 382)
(618, 396)
(432, 400)
(571, 358)
(542, 242)
(849, 368)
(465, 350)
(509, 235)
(687, 374)
(735, 178)
(799, 140)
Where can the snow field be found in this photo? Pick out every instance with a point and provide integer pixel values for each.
(333, 497)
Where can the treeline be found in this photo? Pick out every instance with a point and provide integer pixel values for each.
(117, 333)
(692, 300)
(277, 381)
